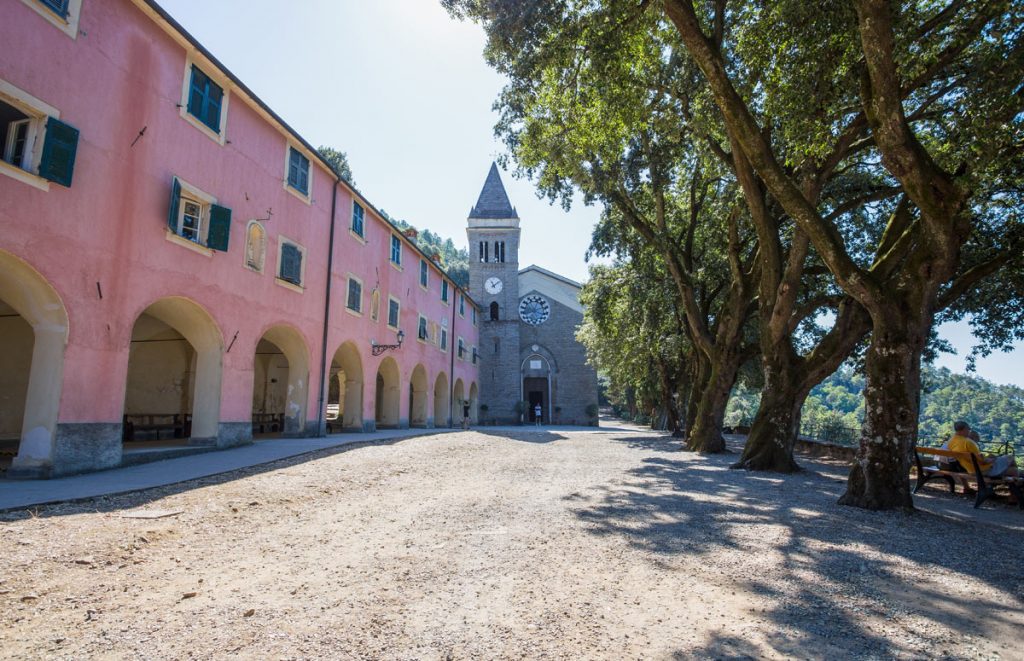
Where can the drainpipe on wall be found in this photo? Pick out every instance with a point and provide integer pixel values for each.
(324, 370)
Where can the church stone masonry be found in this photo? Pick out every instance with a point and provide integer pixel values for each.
(528, 349)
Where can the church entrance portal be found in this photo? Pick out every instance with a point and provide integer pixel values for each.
(536, 391)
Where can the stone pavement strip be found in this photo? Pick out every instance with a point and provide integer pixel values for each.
(17, 494)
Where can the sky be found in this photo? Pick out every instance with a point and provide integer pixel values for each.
(403, 89)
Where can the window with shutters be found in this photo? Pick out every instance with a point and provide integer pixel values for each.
(204, 99)
(422, 334)
(195, 216)
(394, 312)
(36, 147)
(424, 274)
(444, 291)
(297, 174)
(472, 313)
(462, 349)
(357, 220)
(462, 305)
(291, 263)
(396, 250)
(444, 339)
(354, 298)
(255, 246)
(61, 13)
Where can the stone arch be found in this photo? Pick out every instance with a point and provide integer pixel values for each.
(474, 401)
(458, 400)
(418, 397)
(33, 336)
(441, 400)
(386, 401)
(174, 372)
(280, 404)
(345, 394)
(536, 374)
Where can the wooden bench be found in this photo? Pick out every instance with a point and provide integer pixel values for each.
(179, 425)
(984, 484)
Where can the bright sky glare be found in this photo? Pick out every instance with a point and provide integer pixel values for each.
(404, 90)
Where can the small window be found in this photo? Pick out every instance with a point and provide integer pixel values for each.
(472, 312)
(357, 219)
(298, 171)
(421, 330)
(444, 339)
(494, 311)
(205, 98)
(484, 251)
(499, 251)
(193, 215)
(34, 141)
(394, 310)
(255, 246)
(63, 14)
(424, 272)
(355, 295)
(462, 305)
(396, 250)
(444, 290)
(462, 348)
(375, 305)
(290, 263)
(476, 355)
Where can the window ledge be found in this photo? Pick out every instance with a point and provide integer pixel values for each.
(185, 243)
(358, 237)
(206, 130)
(290, 285)
(424, 287)
(305, 197)
(24, 176)
(397, 267)
(354, 313)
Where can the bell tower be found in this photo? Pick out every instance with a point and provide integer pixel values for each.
(493, 232)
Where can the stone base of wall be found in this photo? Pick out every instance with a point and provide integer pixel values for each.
(369, 426)
(819, 449)
(232, 434)
(81, 447)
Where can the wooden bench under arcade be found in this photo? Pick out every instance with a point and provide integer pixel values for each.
(984, 484)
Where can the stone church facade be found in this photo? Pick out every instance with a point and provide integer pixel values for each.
(528, 349)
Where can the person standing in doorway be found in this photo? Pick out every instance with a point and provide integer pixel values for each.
(537, 414)
(465, 415)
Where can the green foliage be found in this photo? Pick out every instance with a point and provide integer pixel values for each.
(453, 260)
(338, 161)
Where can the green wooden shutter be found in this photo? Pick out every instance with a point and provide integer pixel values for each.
(220, 228)
(291, 264)
(172, 213)
(59, 149)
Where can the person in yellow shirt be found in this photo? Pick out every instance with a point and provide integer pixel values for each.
(991, 465)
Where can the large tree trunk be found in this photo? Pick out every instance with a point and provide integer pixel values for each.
(667, 405)
(706, 433)
(769, 445)
(880, 476)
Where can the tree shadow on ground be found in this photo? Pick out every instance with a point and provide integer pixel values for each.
(138, 498)
(523, 435)
(824, 570)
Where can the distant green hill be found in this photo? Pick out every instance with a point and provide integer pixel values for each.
(454, 260)
(997, 412)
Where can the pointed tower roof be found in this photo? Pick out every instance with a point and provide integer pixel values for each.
(493, 201)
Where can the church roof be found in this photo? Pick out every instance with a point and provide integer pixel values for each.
(493, 201)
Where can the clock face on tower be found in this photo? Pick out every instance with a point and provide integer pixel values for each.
(534, 310)
(493, 285)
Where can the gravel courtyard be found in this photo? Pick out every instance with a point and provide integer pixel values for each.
(548, 544)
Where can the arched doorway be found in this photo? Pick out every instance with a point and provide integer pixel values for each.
(458, 402)
(280, 386)
(418, 397)
(33, 335)
(474, 395)
(536, 382)
(386, 403)
(345, 391)
(172, 387)
(441, 400)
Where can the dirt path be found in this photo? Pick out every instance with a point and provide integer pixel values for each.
(551, 545)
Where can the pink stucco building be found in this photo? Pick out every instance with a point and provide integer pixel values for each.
(176, 263)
